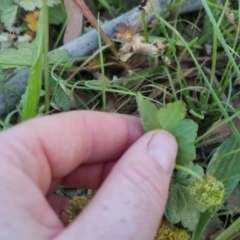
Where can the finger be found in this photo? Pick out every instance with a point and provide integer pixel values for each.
(88, 176)
(85, 176)
(132, 199)
(58, 204)
(53, 146)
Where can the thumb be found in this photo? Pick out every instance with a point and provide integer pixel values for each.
(131, 201)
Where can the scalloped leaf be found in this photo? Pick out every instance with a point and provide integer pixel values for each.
(180, 206)
(62, 99)
(8, 16)
(22, 56)
(30, 5)
(171, 114)
(185, 132)
(148, 112)
(57, 15)
(5, 4)
(171, 118)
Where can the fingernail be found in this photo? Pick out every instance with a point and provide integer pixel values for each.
(162, 149)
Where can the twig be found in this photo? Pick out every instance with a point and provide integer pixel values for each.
(86, 62)
(91, 18)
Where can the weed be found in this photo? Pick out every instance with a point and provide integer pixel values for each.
(191, 89)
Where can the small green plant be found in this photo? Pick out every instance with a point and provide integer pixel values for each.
(198, 72)
(9, 9)
(171, 118)
(191, 191)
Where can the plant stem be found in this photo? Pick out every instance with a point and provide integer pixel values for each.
(145, 31)
(45, 49)
(103, 80)
(91, 18)
(189, 171)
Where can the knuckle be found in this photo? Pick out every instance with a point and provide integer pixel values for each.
(148, 180)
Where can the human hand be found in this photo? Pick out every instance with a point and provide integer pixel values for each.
(81, 149)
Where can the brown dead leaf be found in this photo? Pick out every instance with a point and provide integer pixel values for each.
(123, 32)
(133, 43)
(75, 21)
(145, 6)
(138, 45)
(32, 20)
(160, 46)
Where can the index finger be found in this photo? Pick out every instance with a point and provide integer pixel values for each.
(51, 147)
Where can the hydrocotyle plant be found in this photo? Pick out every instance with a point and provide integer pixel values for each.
(191, 191)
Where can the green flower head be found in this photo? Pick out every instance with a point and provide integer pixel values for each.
(207, 192)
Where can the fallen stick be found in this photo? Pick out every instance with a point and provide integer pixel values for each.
(14, 88)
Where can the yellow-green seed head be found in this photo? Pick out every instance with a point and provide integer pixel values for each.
(166, 232)
(208, 192)
(74, 207)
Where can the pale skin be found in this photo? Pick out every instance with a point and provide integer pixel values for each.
(88, 150)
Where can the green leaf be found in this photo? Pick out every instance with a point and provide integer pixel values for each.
(59, 56)
(171, 118)
(62, 99)
(180, 206)
(185, 132)
(57, 15)
(148, 112)
(225, 166)
(32, 94)
(5, 4)
(8, 16)
(22, 56)
(185, 178)
(30, 5)
(171, 114)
